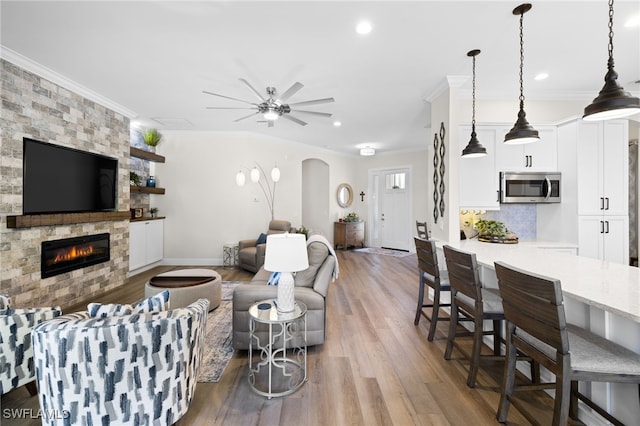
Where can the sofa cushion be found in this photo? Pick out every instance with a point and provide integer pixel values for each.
(317, 253)
(262, 239)
(155, 303)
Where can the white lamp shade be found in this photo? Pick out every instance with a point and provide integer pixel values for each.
(275, 174)
(255, 175)
(286, 253)
(240, 179)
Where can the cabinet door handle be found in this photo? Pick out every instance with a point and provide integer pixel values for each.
(607, 205)
(607, 222)
(531, 161)
(601, 203)
(602, 227)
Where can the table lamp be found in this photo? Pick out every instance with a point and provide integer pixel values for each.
(286, 253)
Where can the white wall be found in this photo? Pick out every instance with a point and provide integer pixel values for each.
(203, 206)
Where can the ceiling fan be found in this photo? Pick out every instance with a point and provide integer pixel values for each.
(273, 105)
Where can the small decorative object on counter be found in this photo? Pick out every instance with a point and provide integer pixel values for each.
(492, 231)
(153, 211)
(151, 182)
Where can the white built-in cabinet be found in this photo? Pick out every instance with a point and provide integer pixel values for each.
(538, 156)
(603, 188)
(146, 243)
(479, 177)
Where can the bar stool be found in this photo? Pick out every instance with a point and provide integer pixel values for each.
(421, 229)
(432, 276)
(537, 327)
(476, 303)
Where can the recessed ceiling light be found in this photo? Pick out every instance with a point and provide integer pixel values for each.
(337, 123)
(541, 76)
(634, 21)
(364, 27)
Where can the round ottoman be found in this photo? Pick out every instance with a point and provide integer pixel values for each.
(186, 286)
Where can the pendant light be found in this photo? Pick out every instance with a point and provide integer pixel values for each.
(522, 132)
(612, 101)
(474, 148)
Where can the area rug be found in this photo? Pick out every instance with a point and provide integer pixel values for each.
(384, 251)
(218, 348)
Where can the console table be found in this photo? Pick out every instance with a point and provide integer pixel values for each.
(347, 234)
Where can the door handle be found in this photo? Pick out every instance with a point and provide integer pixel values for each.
(607, 222)
(602, 227)
(601, 203)
(607, 205)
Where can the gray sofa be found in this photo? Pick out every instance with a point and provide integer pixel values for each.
(311, 287)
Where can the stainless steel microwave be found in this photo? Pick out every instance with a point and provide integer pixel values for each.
(530, 187)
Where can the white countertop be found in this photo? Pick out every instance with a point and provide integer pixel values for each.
(609, 286)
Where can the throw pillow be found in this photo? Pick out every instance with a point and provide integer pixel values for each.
(317, 253)
(262, 239)
(155, 303)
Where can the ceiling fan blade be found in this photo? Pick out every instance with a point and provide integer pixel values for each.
(314, 102)
(321, 114)
(262, 99)
(295, 120)
(229, 97)
(229, 108)
(244, 118)
(291, 91)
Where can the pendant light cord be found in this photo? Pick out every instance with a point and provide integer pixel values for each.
(610, 46)
(473, 97)
(521, 62)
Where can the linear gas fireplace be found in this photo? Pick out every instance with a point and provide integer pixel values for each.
(68, 254)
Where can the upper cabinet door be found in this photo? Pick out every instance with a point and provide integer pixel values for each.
(537, 156)
(478, 176)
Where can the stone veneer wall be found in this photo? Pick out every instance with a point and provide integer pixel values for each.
(37, 108)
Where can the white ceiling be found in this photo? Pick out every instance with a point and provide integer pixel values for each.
(156, 57)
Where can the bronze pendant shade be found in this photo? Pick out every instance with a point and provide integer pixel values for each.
(612, 101)
(474, 148)
(522, 132)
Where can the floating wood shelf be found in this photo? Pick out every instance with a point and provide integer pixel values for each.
(146, 155)
(32, 220)
(146, 190)
(146, 219)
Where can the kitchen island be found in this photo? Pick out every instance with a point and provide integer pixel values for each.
(598, 295)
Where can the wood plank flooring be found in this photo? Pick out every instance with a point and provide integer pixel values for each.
(376, 367)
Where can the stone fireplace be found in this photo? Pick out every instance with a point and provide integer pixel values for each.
(40, 108)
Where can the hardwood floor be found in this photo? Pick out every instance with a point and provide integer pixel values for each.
(376, 367)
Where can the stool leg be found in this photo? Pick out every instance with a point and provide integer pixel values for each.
(435, 312)
(453, 323)
(420, 299)
(508, 377)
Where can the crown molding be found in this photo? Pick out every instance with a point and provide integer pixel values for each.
(450, 81)
(49, 74)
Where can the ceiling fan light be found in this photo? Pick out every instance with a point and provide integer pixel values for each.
(271, 115)
(367, 151)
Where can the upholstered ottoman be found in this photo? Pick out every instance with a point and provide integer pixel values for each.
(186, 286)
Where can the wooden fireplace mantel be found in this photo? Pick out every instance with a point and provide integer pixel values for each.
(32, 220)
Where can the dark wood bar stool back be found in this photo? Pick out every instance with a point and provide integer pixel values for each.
(470, 301)
(430, 275)
(537, 327)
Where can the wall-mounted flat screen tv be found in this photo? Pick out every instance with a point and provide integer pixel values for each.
(57, 179)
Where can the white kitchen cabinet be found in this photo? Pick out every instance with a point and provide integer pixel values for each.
(478, 176)
(537, 156)
(604, 237)
(146, 243)
(603, 167)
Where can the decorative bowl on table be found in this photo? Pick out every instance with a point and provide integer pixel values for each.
(492, 231)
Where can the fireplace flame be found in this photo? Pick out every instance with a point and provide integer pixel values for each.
(72, 253)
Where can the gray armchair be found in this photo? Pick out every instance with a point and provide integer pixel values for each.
(251, 252)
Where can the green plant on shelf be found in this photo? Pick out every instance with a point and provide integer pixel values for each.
(351, 217)
(135, 179)
(153, 211)
(151, 137)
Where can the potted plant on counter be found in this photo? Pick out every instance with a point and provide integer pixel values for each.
(492, 231)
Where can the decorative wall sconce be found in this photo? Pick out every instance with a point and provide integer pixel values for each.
(612, 101)
(522, 132)
(258, 175)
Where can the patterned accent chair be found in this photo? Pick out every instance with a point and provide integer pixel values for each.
(16, 353)
(131, 368)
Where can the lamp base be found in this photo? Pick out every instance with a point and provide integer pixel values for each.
(286, 296)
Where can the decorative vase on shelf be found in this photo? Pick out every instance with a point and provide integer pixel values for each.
(151, 182)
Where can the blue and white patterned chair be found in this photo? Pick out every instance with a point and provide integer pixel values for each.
(126, 368)
(16, 354)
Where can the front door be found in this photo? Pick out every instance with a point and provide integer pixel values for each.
(390, 209)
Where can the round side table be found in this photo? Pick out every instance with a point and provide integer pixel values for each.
(279, 341)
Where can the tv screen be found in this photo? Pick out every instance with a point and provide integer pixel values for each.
(57, 179)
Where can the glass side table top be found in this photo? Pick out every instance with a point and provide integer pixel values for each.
(266, 312)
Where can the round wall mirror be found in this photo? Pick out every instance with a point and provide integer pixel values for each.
(345, 195)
